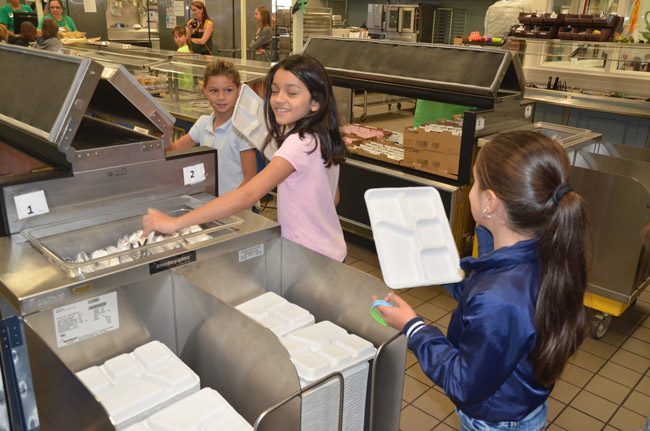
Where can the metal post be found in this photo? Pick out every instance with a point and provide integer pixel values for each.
(296, 31)
(242, 19)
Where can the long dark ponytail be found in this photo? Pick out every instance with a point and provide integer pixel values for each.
(529, 173)
(322, 124)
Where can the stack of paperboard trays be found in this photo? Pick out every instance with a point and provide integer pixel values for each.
(319, 350)
(202, 411)
(276, 313)
(133, 386)
(414, 242)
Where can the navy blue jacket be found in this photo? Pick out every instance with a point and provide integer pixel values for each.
(483, 364)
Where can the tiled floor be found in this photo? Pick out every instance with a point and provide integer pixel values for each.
(605, 385)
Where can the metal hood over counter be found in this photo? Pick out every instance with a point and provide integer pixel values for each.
(451, 74)
(77, 114)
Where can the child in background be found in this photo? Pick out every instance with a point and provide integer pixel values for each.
(301, 113)
(185, 81)
(49, 39)
(180, 37)
(27, 36)
(520, 314)
(235, 158)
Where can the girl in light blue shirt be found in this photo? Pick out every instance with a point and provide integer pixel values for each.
(236, 163)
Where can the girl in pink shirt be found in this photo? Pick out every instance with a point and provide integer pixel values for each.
(303, 120)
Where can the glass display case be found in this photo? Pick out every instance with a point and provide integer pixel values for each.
(600, 67)
(601, 86)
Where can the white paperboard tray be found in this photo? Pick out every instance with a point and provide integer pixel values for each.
(202, 411)
(133, 386)
(248, 120)
(276, 313)
(412, 236)
(324, 348)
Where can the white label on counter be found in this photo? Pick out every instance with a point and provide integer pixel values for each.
(251, 252)
(86, 319)
(480, 123)
(31, 204)
(528, 111)
(193, 174)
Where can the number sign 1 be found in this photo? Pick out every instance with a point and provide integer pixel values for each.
(31, 204)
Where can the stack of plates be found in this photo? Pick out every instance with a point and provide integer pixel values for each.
(276, 313)
(319, 350)
(202, 411)
(151, 389)
(133, 386)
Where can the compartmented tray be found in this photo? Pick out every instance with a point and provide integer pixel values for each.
(414, 242)
(62, 243)
(248, 120)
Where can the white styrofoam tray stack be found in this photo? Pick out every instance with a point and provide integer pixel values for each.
(276, 313)
(133, 386)
(414, 242)
(205, 410)
(248, 120)
(319, 350)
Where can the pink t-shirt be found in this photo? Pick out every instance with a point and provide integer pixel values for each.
(306, 209)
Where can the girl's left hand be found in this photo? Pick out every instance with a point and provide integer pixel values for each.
(399, 314)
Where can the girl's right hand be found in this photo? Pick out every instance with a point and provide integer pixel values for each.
(157, 221)
(399, 314)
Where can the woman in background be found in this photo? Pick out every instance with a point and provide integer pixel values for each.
(260, 45)
(7, 14)
(200, 29)
(56, 12)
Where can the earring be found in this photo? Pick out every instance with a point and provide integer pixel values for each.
(485, 213)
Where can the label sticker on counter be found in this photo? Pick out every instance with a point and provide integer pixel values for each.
(31, 204)
(172, 262)
(528, 111)
(480, 123)
(86, 319)
(251, 252)
(193, 174)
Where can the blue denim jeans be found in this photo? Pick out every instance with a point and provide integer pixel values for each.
(535, 421)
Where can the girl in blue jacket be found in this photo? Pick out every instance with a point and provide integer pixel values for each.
(520, 314)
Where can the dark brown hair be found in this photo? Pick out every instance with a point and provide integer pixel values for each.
(49, 29)
(60, 2)
(524, 169)
(322, 124)
(28, 31)
(266, 17)
(179, 29)
(221, 68)
(204, 11)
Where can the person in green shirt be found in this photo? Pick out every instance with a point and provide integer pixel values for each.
(185, 79)
(56, 12)
(7, 14)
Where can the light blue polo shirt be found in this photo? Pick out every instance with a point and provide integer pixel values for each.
(228, 146)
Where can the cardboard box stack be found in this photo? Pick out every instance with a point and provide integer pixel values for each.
(434, 148)
(373, 142)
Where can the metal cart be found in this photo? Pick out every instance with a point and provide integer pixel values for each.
(615, 182)
(102, 143)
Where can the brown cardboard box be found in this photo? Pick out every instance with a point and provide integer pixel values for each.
(445, 165)
(358, 149)
(442, 142)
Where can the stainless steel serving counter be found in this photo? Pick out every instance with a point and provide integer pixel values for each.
(31, 283)
(105, 137)
(614, 105)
